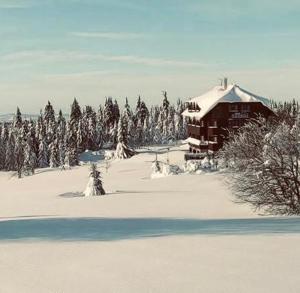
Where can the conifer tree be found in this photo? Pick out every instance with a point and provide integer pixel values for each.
(43, 153)
(18, 119)
(19, 154)
(94, 186)
(122, 150)
(30, 159)
(54, 155)
(10, 161)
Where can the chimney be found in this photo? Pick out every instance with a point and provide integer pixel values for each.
(225, 83)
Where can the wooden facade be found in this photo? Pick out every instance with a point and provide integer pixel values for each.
(208, 133)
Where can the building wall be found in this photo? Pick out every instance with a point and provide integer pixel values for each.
(213, 128)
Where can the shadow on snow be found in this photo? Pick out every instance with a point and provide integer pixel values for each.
(109, 229)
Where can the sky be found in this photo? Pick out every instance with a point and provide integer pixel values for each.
(91, 49)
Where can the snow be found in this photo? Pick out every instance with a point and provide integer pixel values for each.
(180, 263)
(218, 94)
(193, 141)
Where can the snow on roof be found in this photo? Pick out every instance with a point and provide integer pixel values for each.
(232, 94)
(193, 141)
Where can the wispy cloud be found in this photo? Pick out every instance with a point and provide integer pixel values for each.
(14, 4)
(108, 35)
(69, 56)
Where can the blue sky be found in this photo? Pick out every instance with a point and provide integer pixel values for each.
(59, 49)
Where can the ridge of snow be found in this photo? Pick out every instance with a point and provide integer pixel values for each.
(218, 94)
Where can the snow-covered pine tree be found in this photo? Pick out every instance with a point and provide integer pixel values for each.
(54, 155)
(166, 104)
(10, 162)
(17, 119)
(19, 153)
(30, 159)
(3, 142)
(122, 150)
(139, 133)
(61, 127)
(94, 186)
(72, 149)
(61, 152)
(72, 131)
(43, 153)
(49, 114)
(143, 113)
(81, 142)
(99, 128)
(116, 111)
(108, 118)
(147, 132)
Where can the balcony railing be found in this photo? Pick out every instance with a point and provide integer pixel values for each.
(240, 115)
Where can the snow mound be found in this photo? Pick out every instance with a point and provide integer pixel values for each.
(160, 169)
(200, 166)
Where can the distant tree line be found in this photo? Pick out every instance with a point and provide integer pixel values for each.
(53, 141)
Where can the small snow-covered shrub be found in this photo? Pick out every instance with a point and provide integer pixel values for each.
(109, 155)
(94, 186)
(192, 166)
(160, 169)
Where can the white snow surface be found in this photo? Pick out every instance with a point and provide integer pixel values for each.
(218, 94)
(176, 264)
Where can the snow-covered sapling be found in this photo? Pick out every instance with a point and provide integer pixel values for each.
(94, 186)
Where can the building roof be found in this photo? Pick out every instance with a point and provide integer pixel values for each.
(232, 94)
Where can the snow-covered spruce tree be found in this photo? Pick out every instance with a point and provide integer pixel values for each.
(19, 153)
(10, 160)
(17, 119)
(94, 186)
(3, 143)
(30, 159)
(108, 119)
(54, 159)
(99, 128)
(122, 150)
(61, 152)
(264, 160)
(49, 114)
(139, 134)
(43, 153)
(72, 131)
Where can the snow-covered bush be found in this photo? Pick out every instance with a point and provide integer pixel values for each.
(161, 169)
(199, 166)
(264, 159)
(109, 154)
(192, 166)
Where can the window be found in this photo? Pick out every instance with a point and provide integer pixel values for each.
(245, 108)
(213, 123)
(202, 123)
(233, 108)
(215, 138)
(202, 138)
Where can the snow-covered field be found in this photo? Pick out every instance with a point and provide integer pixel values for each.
(209, 261)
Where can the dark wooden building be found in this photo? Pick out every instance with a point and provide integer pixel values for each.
(223, 108)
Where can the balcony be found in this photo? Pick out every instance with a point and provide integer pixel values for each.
(239, 115)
